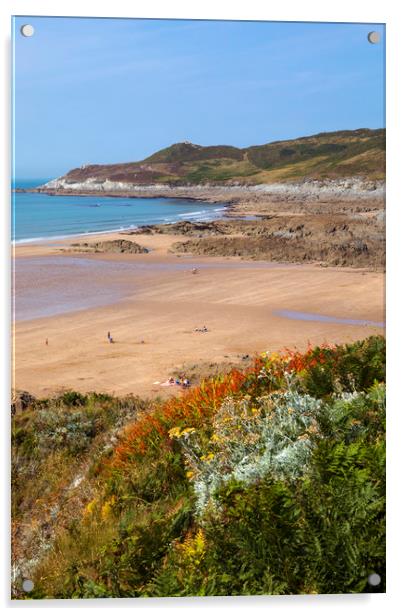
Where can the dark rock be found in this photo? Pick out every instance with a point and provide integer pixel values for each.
(116, 246)
(20, 401)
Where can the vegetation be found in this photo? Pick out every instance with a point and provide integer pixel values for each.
(324, 156)
(269, 480)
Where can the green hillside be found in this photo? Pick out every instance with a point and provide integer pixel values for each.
(324, 156)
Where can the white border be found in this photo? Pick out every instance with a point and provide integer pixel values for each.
(287, 10)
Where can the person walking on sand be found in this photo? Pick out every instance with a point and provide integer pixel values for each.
(47, 342)
(108, 336)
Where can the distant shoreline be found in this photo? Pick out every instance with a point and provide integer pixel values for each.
(338, 222)
(237, 201)
(337, 189)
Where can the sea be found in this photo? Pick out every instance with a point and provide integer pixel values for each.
(36, 216)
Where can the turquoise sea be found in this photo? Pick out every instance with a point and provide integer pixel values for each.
(38, 216)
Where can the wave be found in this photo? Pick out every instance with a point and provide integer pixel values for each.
(30, 240)
(199, 215)
(191, 214)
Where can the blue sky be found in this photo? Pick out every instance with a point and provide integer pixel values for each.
(100, 90)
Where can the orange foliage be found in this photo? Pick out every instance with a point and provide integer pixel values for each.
(297, 361)
(150, 431)
(192, 409)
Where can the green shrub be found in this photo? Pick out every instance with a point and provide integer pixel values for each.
(271, 484)
(73, 398)
(350, 367)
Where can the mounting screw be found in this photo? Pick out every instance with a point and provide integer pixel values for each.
(27, 30)
(373, 37)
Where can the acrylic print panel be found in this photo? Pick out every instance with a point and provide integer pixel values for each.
(198, 259)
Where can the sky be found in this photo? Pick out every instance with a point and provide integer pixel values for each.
(92, 90)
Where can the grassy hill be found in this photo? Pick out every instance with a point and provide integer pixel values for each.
(269, 480)
(323, 156)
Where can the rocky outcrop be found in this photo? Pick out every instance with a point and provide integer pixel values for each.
(354, 253)
(345, 189)
(111, 246)
(20, 401)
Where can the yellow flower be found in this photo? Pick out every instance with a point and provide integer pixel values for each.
(199, 541)
(175, 432)
(189, 474)
(193, 548)
(107, 507)
(207, 458)
(89, 509)
(187, 431)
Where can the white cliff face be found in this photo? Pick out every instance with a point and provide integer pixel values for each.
(346, 187)
(341, 188)
(96, 185)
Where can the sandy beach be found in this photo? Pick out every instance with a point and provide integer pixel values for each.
(152, 304)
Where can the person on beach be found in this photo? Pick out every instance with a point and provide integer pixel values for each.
(47, 342)
(108, 336)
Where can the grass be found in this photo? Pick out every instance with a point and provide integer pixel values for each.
(267, 480)
(326, 155)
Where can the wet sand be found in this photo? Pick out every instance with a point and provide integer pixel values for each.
(73, 300)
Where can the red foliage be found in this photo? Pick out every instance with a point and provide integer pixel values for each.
(295, 361)
(190, 410)
(196, 406)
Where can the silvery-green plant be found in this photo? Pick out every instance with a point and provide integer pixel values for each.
(274, 436)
